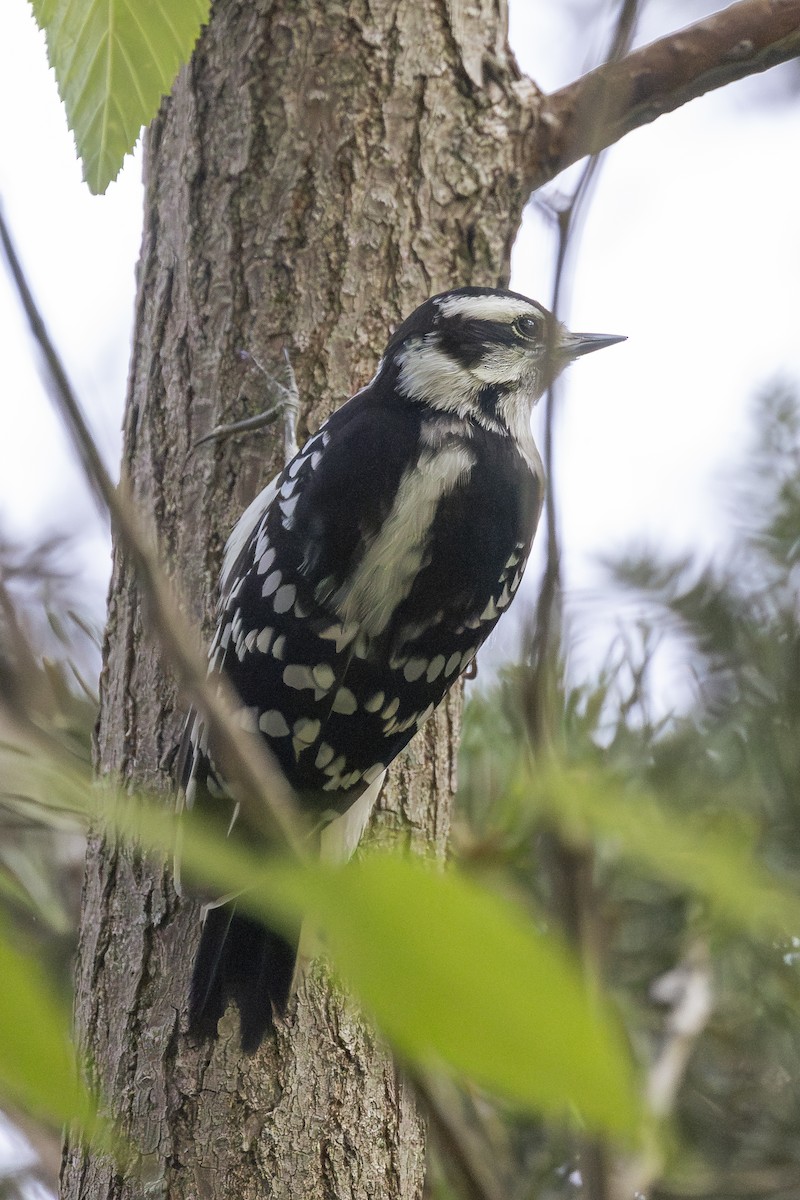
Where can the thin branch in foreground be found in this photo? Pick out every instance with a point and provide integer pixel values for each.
(571, 870)
(260, 786)
(601, 107)
(454, 1138)
(259, 782)
(546, 626)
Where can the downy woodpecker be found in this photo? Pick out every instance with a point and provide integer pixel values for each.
(360, 583)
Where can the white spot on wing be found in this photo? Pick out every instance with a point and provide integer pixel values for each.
(435, 668)
(271, 584)
(339, 840)
(323, 675)
(306, 730)
(490, 612)
(414, 668)
(342, 635)
(264, 638)
(273, 723)
(324, 755)
(287, 507)
(262, 541)
(284, 598)
(266, 561)
(344, 702)
(295, 676)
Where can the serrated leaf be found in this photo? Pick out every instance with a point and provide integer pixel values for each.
(113, 61)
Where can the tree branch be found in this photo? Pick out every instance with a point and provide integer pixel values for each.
(601, 107)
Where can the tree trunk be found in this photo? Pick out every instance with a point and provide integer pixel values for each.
(319, 170)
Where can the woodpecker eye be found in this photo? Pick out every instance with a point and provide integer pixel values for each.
(529, 328)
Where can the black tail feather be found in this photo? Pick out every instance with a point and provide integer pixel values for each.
(240, 959)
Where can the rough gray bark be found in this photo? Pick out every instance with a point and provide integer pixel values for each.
(320, 169)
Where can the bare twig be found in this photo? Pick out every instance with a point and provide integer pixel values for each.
(545, 641)
(601, 107)
(259, 783)
(455, 1140)
(688, 991)
(572, 870)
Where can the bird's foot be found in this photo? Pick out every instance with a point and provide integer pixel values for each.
(286, 405)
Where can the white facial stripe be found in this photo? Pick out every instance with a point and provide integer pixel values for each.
(488, 308)
(504, 364)
(386, 573)
(428, 373)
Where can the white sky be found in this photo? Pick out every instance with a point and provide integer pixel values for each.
(691, 248)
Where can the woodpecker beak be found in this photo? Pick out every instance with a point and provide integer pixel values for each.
(573, 345)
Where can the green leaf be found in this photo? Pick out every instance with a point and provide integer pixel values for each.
(113, 61)
(37, 1070)
(453, 975)
(589, 804)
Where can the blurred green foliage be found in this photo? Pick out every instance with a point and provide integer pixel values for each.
(663, 843)
(657, 839)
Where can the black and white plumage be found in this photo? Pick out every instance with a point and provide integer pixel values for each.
(359, 585)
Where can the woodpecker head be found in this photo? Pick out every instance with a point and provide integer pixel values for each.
(484, 353)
